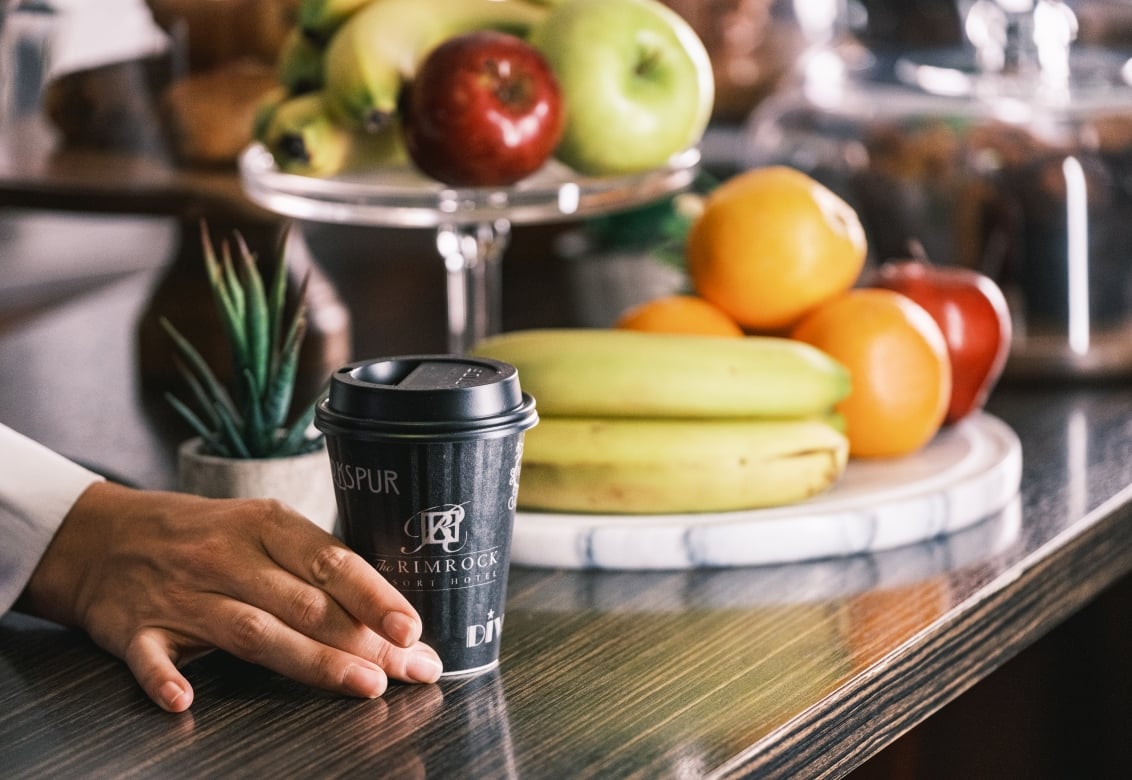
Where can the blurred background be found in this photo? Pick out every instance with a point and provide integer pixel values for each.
(973, 127)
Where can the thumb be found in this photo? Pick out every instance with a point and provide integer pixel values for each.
(151, 657)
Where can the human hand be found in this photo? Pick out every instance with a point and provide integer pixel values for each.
(159, 578)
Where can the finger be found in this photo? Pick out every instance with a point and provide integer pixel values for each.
(416, 664)
(150, 656)
(321, 560)
(312, 612)
(261, 638)
(309, 610)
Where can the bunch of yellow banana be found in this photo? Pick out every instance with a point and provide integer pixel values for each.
(355, 56)
(639, 422)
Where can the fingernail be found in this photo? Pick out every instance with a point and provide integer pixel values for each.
(400, 628)
(423, 666)
(172, 696)
(364, 681)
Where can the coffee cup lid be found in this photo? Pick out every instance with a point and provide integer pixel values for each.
(425, 395)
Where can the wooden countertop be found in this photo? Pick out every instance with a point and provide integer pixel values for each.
(782, 671)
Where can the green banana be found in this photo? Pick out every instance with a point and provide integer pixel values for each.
(305, 139)
(299, 67)
(638, 466)
(379, 48)
(319, 19)
(265, 110)
(622, 373)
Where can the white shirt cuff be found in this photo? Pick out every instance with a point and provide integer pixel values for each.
(37, 489)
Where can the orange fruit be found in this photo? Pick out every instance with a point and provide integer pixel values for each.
(679, 314)
(898, 364)
(772, 244)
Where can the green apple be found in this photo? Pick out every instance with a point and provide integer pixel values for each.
(636, 82)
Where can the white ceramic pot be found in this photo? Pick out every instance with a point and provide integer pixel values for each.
(303, 482)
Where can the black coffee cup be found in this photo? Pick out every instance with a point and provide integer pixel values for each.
(425, 453)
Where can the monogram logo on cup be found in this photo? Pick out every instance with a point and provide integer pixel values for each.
(439, 526)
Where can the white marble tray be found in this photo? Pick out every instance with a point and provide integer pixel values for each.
(785, 584)
(967, 473)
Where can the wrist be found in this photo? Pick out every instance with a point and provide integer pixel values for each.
(55, 590)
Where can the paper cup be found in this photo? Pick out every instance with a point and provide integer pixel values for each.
(425, 453)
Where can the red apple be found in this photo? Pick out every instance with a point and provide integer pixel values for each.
(973, 315)
(484, 109)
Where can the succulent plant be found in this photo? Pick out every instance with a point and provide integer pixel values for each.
(250, 419)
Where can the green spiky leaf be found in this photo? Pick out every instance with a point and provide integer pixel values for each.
(256, 317)
(277, 302)
(229, 301)
(277, 398)
(213, 387)
(295, 438)
(259, 433)
(250, 420)
(200, 395)
(232, 435)
(190, 416)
